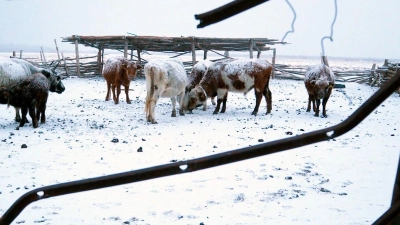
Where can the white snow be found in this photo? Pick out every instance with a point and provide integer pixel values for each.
(348, 180)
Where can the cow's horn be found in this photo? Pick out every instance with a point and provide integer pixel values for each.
(54, 69)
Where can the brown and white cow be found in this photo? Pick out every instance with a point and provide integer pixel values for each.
(194, 78)
(234, 76)
(164, 79)
(117, 72)
(319, 81)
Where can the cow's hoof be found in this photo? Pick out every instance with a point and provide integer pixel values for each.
(215, 113)
(316, 115)
(190, 112)
(154, 122)
(308, 110)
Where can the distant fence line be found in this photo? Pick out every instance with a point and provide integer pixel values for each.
(89, 67)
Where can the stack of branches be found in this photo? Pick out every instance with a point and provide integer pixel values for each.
(298, 72)
(385, 72)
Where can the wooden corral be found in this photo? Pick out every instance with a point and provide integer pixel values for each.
(133, 47)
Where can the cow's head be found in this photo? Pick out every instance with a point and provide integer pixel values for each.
(131, 68)
(54, 80)
(196, 96)
(322, 87)
(4, 95)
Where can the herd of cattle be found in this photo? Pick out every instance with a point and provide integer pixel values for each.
(26, 87)
(168, 79)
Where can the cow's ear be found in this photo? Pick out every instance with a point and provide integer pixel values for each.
(46, 73)
(313, 82)
(187, 90)
(139, 67)
(331, 84)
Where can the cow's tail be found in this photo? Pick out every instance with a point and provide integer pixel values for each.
(150, 93)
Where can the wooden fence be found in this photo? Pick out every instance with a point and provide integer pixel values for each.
(89, 67)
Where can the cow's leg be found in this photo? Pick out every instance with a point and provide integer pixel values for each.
(173, 100)
(268, 98)
(224, 102)
(127, 94)
(40, 112)
(116, 101)
(24, 111)
(317, 107)
(18, 116)
(324, 101)
(108, 91)
(216, 110)
(213, 100)
(258, 95)
(32, 114)
(113, 93)
(180, 98)
(204, 105)
(309, 103)
(152, 111)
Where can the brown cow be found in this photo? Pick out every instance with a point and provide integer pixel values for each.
(30, 94)
(117, 72)
(319, 81)
(235, 76)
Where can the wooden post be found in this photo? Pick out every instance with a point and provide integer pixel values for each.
(138, 56)
(126, 48)
(41, 57)
(99, 61)
(273, 62)
(205, 53)
(65, 64)
(131, 54)
(20, 54)
(372, 74)
(226, 54)
(55, 42)
(102, 60)
(78, 70)
(386, 63)
(324, 60)
(251, 49)
(193, 54)
(258, 54)
(44, 58)
(13, 55)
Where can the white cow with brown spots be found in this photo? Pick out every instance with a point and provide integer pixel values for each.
(234, 76)
(164, 79)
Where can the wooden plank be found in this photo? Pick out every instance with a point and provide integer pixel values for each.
(78, 72)
(193, 54)
(58, 54)
(251, 49)
(65, 64)
(126, 48)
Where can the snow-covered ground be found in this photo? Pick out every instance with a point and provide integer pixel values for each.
(348, 180)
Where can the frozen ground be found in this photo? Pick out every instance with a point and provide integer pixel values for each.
(348, 180)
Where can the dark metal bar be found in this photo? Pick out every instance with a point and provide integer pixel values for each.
(208, 161)
(225, 11)
(392, 215)
(396, 188)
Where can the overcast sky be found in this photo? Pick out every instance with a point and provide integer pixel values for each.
(363, 29)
